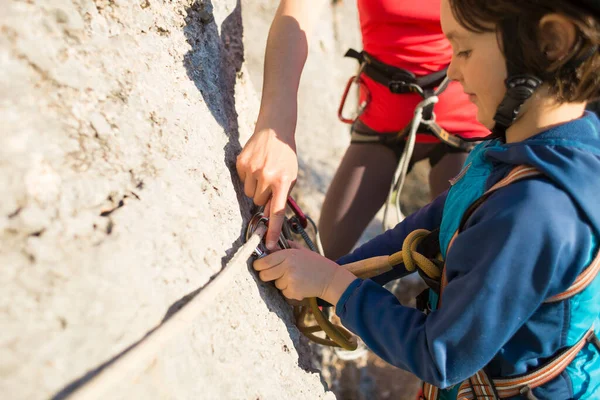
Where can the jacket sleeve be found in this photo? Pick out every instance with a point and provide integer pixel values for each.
(428, 217)
(511, 256)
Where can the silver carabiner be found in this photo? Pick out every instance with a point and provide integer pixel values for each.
(261, 250)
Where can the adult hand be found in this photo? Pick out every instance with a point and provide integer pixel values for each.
(268, 166)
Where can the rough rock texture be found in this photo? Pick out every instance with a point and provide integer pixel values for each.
(120, 124)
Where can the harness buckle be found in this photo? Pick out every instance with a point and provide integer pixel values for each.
(527, 393)
(422, 302)
(593, 339)
(403, 87)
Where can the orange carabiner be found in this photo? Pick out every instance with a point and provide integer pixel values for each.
(361, 108)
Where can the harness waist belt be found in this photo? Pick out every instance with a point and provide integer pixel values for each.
(401, 81)
(398, 80)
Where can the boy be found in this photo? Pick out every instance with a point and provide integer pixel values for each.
(518, 229)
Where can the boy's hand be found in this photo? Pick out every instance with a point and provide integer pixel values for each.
(301, 273)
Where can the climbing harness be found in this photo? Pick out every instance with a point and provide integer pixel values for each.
(397, 80)
(400, 81)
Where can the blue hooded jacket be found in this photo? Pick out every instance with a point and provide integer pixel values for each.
(528, 242)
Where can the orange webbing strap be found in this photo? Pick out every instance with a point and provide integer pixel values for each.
(582, 281)
(430, 392)
(516, 174)
(479, 386)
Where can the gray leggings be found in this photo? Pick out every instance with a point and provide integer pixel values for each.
(360, 187)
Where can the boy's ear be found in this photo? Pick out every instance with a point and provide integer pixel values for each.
(557, 36)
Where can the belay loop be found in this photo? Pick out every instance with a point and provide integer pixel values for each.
(403, 164)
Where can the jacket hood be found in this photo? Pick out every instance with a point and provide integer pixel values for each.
(569, 154)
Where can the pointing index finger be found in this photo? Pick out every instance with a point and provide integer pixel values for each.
(276, 217)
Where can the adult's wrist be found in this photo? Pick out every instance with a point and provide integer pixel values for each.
(281, 119)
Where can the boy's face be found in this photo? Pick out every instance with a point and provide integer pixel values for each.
(477, 63)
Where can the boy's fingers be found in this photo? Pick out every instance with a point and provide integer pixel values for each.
(270, 261)
(281, 284)
(273, 273)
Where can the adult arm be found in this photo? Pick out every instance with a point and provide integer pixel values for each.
(268, 165)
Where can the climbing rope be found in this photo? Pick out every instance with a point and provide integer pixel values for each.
(338, 336)
(139, 355)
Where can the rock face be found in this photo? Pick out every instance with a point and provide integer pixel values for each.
(121, 121)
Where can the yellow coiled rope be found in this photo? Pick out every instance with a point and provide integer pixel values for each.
(337, 335)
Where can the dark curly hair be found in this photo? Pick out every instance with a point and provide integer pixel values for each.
(574, 78)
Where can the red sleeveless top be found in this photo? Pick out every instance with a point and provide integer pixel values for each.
(407, 34)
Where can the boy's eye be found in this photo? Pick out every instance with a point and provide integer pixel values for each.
(464, 54)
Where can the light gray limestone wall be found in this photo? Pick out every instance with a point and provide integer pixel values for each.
(120, 122)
